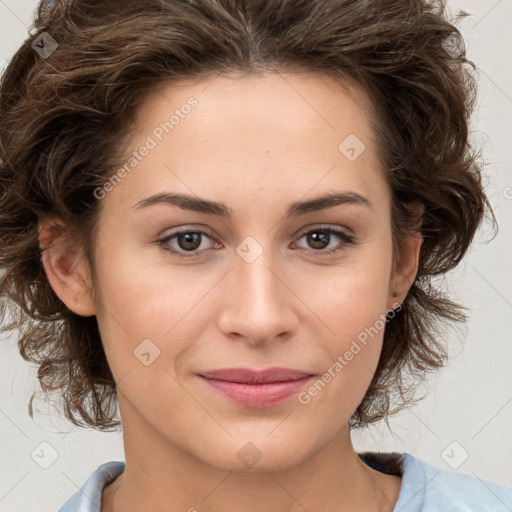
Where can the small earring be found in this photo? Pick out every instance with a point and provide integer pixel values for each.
(75, 301)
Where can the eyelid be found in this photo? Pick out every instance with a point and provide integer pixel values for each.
(330, 227)
(186, 229)
(345, 235)
(164, 240)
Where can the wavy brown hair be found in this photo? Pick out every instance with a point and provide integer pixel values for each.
(64, 119)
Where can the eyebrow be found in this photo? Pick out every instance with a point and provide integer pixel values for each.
(197, 204)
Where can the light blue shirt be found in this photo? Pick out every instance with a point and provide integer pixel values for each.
(425, 488)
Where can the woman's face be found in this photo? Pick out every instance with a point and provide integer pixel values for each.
(259, 282)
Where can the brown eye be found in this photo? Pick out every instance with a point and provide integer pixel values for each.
(320, 238)
(189, 241)
(182, 242)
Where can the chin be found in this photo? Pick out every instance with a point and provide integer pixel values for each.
(258, 453)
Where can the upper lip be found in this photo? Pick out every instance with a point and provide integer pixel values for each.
(248, 376)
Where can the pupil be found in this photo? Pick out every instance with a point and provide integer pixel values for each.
(320, 237)
(192, 238)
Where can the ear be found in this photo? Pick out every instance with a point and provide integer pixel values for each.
(406, 268)
(66, 267)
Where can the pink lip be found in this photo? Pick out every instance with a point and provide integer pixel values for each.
(256, 388)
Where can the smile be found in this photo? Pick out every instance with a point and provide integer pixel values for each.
(256, 388)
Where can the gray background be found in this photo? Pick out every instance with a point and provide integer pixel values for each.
(464, 422)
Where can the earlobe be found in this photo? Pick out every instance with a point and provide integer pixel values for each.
(66, 269)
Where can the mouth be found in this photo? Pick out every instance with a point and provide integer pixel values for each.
(256, 388)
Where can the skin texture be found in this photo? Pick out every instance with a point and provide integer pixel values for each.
(256, 143)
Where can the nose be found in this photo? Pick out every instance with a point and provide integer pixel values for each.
(260, 304)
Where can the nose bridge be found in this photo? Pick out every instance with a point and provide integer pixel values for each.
(260, 307)
(255, 271)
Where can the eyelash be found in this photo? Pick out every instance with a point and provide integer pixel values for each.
(346, 239)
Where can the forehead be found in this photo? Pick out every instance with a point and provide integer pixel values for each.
(304, 104)
(285, 132)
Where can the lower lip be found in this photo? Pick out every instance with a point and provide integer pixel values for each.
(258, 395)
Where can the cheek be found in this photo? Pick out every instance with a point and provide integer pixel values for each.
(142, 300)
(351, 303)
(357, 322)
(352, 296)
(361, 302)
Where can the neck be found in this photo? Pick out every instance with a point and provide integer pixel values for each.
(161, 476)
